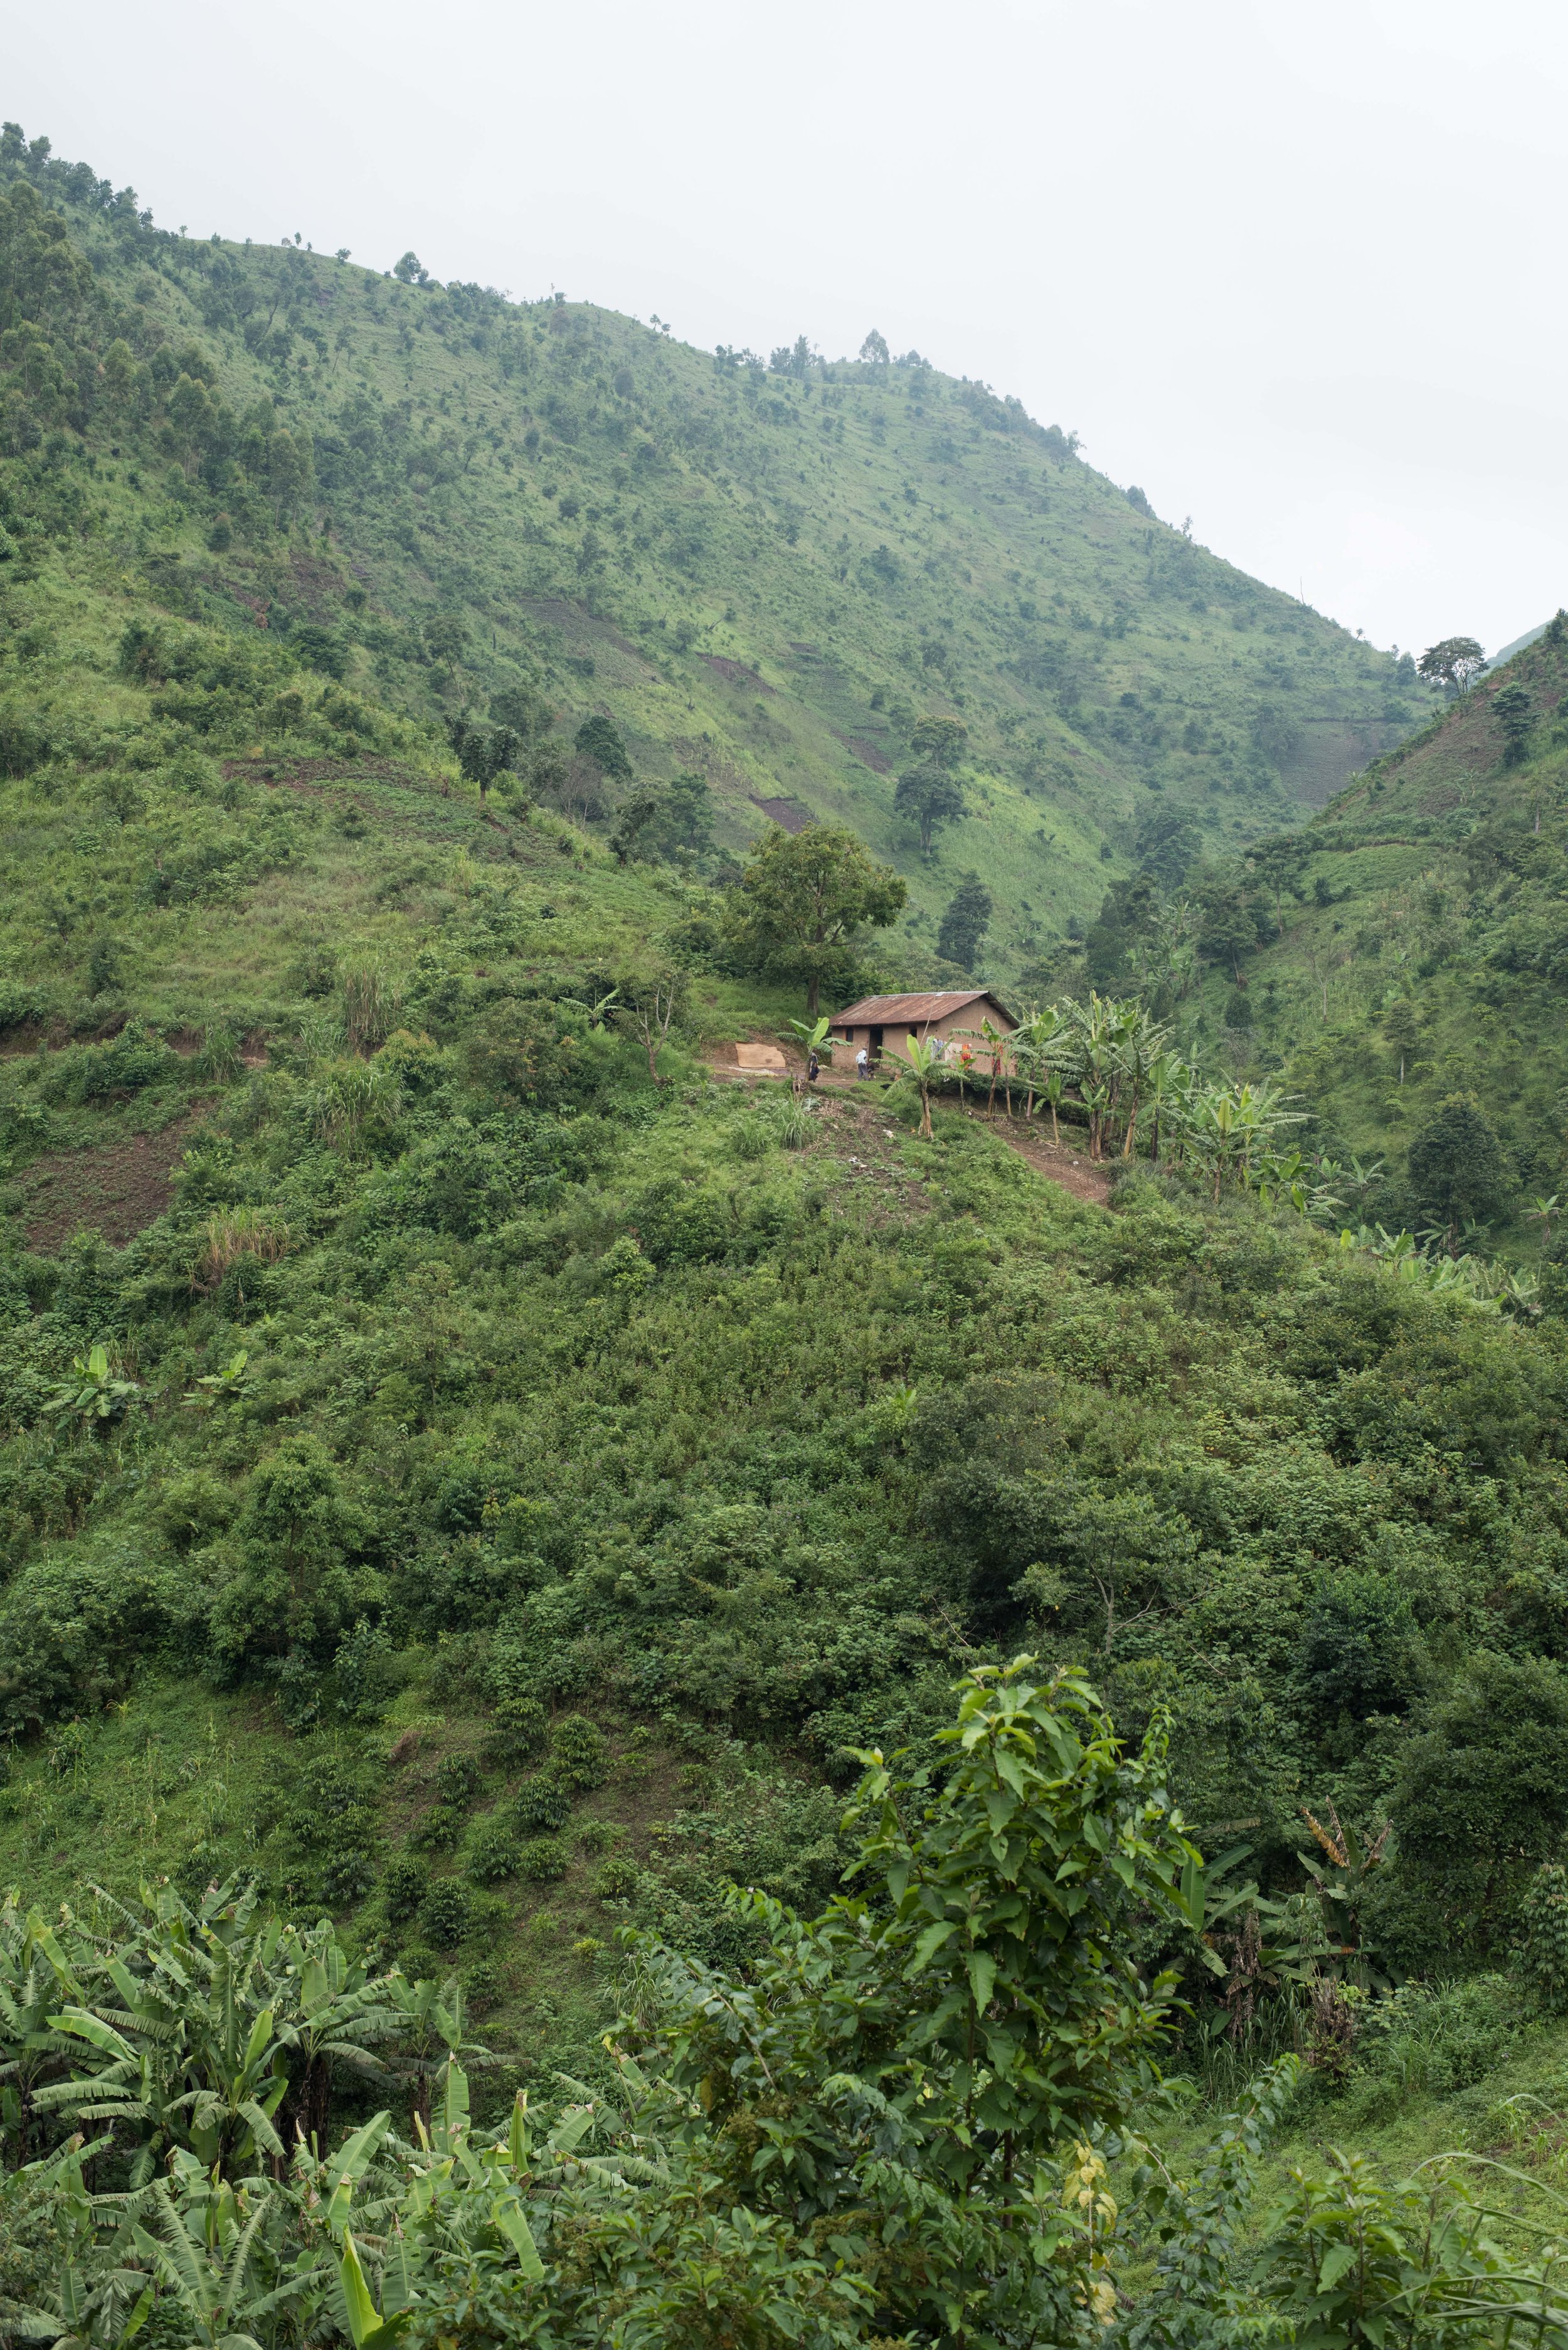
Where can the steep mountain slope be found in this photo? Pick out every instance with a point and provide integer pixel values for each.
(482, 1476)
(1422, 952)
(763, 575)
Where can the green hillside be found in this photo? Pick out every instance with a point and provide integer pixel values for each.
(487, 1478)
(764, 573)
(1419, 956)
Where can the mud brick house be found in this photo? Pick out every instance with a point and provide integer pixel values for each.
(886, 1024)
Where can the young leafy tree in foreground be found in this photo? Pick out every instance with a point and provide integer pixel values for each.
(896, 2126)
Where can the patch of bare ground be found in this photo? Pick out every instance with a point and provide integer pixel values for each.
(1068, 1164)
(870, 754)
(115, 1187)
(721, 1059)
(792, 814)
(856, 1131)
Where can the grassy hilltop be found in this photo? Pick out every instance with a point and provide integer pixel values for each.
(488, 1487)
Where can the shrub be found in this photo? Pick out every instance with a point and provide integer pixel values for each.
(456, 1777)
(25, 743)
(542, 1801)
(294, 1583)
(484, 1984)
(405, 1883)
(441, 1829)
(616, 1880)
(517, 1730)
(1482, 1799)
(443, 1914)
(581, 1752)
(541, 1860)
(1544, 1950)
(680, 1226)
(494, 1852)
(347, 1871)
(1456, 1166)
(1435, 2037)
(191, 1509)
(1359, 1645)
(364, 1671)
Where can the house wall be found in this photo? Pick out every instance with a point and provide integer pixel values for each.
(950, 1030)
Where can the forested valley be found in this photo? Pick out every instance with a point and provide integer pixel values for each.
(647, 1705)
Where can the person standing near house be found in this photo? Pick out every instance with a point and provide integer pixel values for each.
(862, 1063)
(812, 1067)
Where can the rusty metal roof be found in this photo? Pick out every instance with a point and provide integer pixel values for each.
(879, 1010)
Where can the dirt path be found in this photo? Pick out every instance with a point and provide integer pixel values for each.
(1061, 1163)
(1066, 1162)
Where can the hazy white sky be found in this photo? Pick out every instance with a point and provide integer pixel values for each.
(1293, 266)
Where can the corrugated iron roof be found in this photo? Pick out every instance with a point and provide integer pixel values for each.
(877, 1011)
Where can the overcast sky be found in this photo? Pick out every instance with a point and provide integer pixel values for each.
(1291, 265)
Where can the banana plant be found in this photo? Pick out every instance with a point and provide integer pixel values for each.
(1055, 1088)
(95, 1394)
(1205, 1901)
(367, 2328)
(224, 2252)
(925, 1059)
(226, 2113)
(1164, 1088)
(335, 2014)
(36, 1976)
(1341, 1886)
(1544, 1211)
(97, 2299)
(196, 2024)
(814, 1036)
(462, 2189)
(597, 1013)
(229, 1385)
(1141, 1044)
(994, 1044)
(430, 2020)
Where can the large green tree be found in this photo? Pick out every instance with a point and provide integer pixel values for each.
(961, 932)
(599, 738)
(1481, 1800)
(1515, 712)
(929, 797)
(804, 900)
(1456, 1166)
(941, 743)
(1455, 662)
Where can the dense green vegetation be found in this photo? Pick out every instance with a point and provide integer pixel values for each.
(474, 1475)
(1396, 965)
(764, 575)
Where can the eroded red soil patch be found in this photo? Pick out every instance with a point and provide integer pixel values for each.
(117, 1188)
